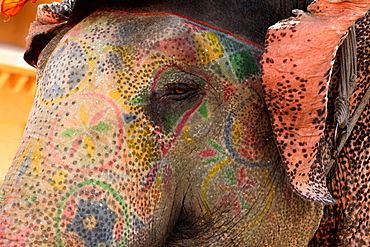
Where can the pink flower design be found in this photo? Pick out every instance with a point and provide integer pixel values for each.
(236, 190)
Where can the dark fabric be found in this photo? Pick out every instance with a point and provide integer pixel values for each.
(246, 18)
(50, 19)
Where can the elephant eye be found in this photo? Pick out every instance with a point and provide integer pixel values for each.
(175, 93)
(179, 91)
(178, 86)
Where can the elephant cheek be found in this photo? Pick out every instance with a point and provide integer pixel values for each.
(296, 70)
(248, 132)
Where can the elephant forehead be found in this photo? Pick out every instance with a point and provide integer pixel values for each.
(137, 40)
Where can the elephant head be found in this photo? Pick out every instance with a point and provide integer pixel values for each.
(150, 129)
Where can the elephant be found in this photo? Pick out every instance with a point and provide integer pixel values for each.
(153, 125)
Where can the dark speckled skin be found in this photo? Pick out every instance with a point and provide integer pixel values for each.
(296, 76)
(300, 102)
(346, 223)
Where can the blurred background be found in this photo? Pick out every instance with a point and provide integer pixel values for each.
(17, 82)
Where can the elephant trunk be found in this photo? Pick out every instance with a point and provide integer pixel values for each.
(14, 223)
(297, 66)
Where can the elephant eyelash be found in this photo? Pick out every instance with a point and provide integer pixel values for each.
(179, 91)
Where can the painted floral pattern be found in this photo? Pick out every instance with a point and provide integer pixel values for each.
(236, 191)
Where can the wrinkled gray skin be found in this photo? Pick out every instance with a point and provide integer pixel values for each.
(158, 184)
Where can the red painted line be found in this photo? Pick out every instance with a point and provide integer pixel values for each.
(109, 163)
(137, 13)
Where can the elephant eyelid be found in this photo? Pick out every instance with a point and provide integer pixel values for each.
(179, 85)
(179, 75)
(179, 91)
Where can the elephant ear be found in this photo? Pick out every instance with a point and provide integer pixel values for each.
(50, 20)
(297, 65)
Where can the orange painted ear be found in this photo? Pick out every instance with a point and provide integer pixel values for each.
(297, 64)
(12, 7)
